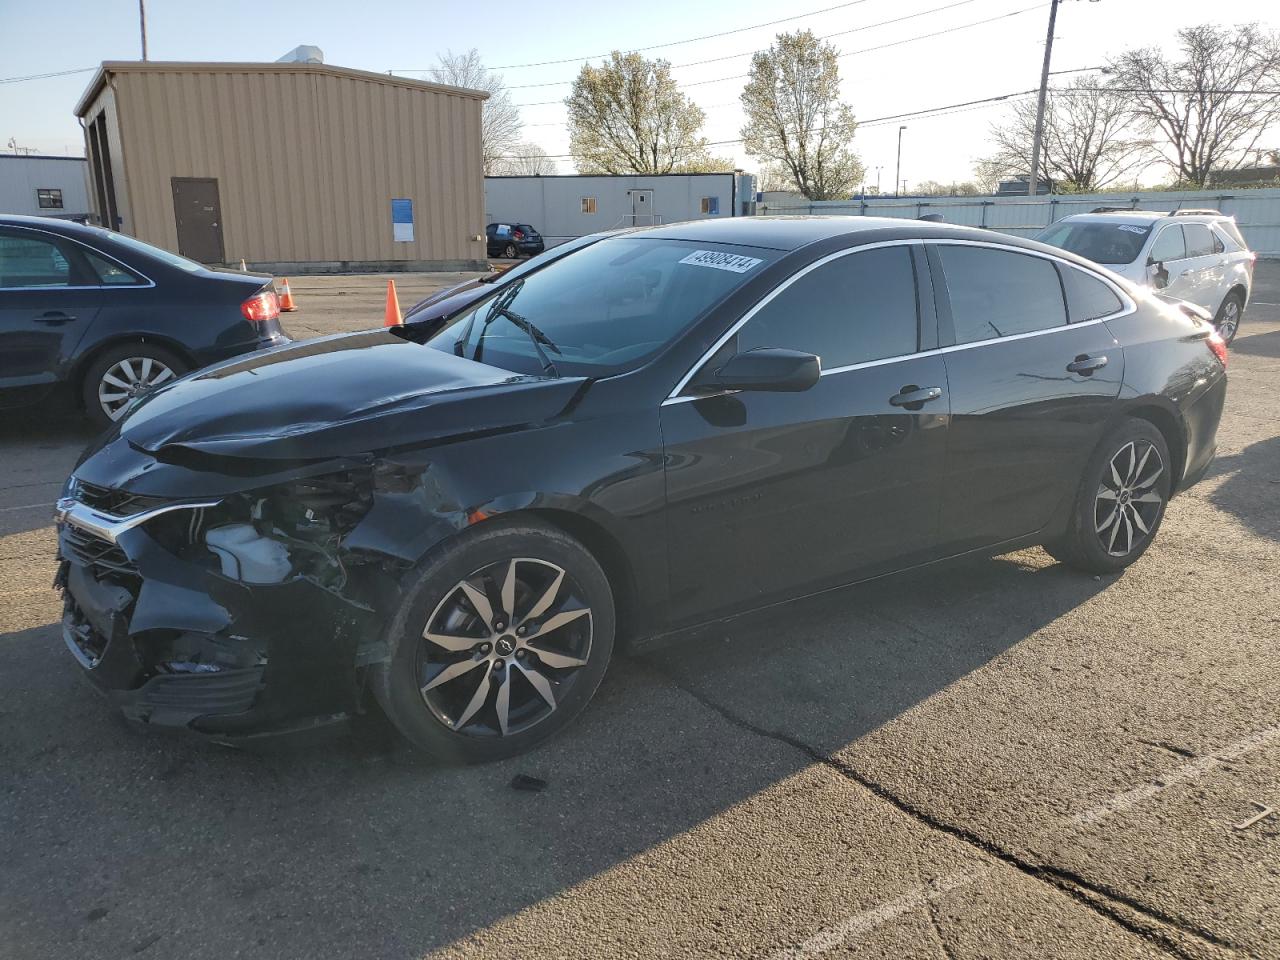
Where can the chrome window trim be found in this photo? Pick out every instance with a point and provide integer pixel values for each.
(1128, 306)
(88, 246)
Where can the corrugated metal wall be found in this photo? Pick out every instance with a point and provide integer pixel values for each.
(21, 176)
(1256, 211)
(307, 161)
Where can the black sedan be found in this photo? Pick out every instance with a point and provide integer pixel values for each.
(94, 318)
(659, 431)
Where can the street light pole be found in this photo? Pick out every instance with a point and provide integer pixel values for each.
(878, 169)
(897, 173)
(1033, 185)
(142, 25)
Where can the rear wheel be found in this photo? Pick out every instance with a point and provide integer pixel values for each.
(510, 251)
(1229, 316)
(500, 643)
(122, 373)
(1120, 503)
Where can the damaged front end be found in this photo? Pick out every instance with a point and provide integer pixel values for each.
(235, 616)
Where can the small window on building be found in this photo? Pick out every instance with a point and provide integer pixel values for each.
(588, 204)
(49, 198)
(711, 206)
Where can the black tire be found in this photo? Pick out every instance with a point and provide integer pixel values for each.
(139, 357)
(510, 251)
(437, 601)
(1229, 316)
(1091, 543)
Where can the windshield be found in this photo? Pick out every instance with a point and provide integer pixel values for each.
(606, 309)
(1099, 242)
(172, 259)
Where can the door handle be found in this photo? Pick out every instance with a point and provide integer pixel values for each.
(1085, 365)
(54, 317)
(1186, 273)
(914, 398)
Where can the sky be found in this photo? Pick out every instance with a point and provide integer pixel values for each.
(966, 59)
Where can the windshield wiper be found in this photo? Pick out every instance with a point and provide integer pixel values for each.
(498, 309)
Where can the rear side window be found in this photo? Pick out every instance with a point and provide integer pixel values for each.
(1199, 240)
(1168, 246)
(32, 262)
(110, 274)
(854, 309)
(1231, 230)
(1088, 298)
(998, 293)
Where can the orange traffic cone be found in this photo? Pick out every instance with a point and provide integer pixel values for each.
(286, 298)
(391, 317)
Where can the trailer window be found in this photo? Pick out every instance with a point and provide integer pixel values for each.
(588, 204)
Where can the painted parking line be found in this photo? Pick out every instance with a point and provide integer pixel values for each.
(833, 937)
(27, 506)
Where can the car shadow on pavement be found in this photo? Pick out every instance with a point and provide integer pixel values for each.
(356, 850)
(33, 449)
(1251, 489)
(1258, 344)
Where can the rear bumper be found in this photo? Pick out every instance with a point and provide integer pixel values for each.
(1202, 418)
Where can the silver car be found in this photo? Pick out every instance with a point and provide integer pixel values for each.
(1193, 255)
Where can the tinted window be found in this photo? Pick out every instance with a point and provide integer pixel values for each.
(1231, 230)
(525, 228)
(995, 293)
(110, 274)
(1199, 240)
(856, 308)
(1218, 245)
(1088, 298)
(31, 262)
(1168, 246)
(604, 309)
(1099, 242)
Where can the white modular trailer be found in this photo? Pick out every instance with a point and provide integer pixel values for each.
(564, 207)
(44, 186)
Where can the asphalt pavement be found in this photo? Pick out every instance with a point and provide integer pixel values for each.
(1002, 758)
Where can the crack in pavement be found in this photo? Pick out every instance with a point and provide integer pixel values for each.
(1145, 921)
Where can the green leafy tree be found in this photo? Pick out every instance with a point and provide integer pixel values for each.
(795, 119)
(628, 116)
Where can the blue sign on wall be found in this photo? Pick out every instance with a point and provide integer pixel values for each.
(402, 220)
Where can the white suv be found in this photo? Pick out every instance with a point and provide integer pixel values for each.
(1193, 255)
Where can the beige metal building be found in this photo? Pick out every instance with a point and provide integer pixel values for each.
(294, 167)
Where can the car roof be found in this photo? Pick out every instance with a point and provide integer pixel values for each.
(54, 224)
(794, 232)
(1145, 217)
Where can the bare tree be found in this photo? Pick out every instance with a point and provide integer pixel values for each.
(795, 118)
(525, 160)
(1087, 144)
(932, 188)
(988, 173)
(1213, 104)
(500, 118)
(628, 116)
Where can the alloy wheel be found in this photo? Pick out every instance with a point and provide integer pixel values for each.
(129, 378)
(1230, 321)
(1128, 502)
(503, 648)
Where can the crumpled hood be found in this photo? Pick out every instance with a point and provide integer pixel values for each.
(338, 396)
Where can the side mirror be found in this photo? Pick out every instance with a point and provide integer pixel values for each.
(768, 368)
(1157, 274)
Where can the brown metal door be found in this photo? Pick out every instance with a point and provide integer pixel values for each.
(199, 218)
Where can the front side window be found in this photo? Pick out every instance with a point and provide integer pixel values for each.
(32, 262)
(852, 309)
(1168, 246)
(603, 310)
(1100, 242)
(49, 198)
(999, 293)
(1088, 298)
(1199, 240)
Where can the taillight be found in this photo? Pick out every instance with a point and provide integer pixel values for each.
(261, 307)
(518, 234)
(1218, 346)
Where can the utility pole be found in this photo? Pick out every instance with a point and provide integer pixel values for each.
(142, 25)
(878, 169)
(1033, 185)
(897, 173)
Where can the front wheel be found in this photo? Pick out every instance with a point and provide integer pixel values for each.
(1229, 315)
(1120, 503)
(500, 643)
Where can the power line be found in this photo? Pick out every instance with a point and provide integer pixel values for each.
(748, 53)
(42, 76)
(852, 53)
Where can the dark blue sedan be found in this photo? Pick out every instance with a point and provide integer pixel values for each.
(93, 318)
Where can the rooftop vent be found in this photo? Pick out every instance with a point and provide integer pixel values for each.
(305, 53)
